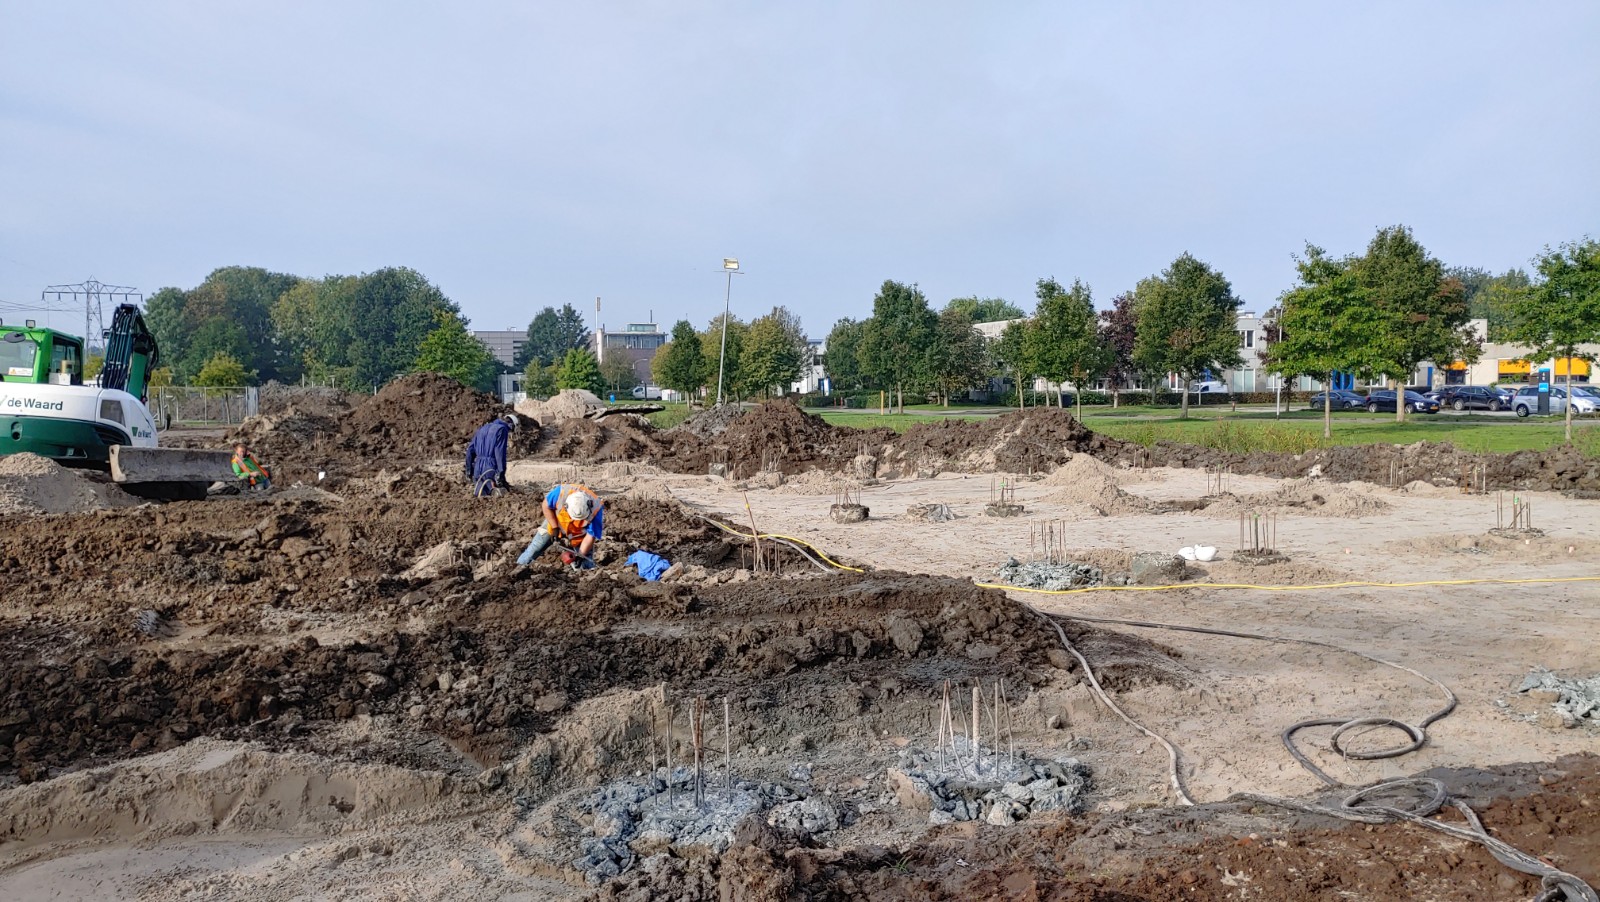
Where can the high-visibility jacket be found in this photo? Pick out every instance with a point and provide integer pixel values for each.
(246, 467)
(572, 530)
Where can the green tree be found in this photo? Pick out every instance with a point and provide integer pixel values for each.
(711, 341)
(1012, 351)
(231, 312)
(772, 352)
(539, 379)
(92, 365)
(956, 357)
(224, 371)
(894, 346)
(387, 315)
(1425, 312)
(553, 333)
(1323, 326)
(1187, 322)
(579, 369)
(840, 358)
(163, 314)
(985, 310)
(450, 350)
(1064, 336)
(680, 365)
(1560, 312)
(618, 373)
(1118, 332)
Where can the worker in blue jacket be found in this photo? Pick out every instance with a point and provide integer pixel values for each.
(486, 455)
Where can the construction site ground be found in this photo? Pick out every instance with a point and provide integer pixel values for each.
(345, 690)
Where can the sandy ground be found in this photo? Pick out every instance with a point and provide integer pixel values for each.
(409, 840)
(1479, 640)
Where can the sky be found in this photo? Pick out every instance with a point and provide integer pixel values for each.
(529, 154)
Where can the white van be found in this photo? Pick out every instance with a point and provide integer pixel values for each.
(647, 392)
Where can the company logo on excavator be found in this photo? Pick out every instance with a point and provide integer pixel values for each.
(35, 404)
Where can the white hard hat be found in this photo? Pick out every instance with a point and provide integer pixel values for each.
(511, 420)
(580, 506)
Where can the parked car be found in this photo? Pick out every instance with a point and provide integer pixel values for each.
(1342, 400)
(1585, 400)
(1475, 397)
(1384, 400)
(1527, 400)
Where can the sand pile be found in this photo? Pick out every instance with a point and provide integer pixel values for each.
(791, 440)
(568, 404)
(30, 484)
(1303, 496)
(1085, 481)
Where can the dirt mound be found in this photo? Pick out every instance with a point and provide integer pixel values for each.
(276, 397)
(30, 484)
(782, 437)
(1035, 440)
(711, 422)
(422, 416)
(616, 438)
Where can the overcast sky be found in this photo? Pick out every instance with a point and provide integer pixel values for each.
(525, 154)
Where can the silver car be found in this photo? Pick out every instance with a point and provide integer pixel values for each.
(1584, 401)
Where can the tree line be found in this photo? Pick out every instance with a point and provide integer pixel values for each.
(246, 324)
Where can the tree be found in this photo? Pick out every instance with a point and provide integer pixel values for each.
(552, 334)
(579, 369)
(224, 371)
(1425, 313)
(539, 379)
(1324, 326)
(163, 314)
(680, 365)
(772, 352)
(722, 369)
(92, 365)
(956, 355)
(1118, 330)
(618, 373)
(1064, 337)
(233, 309)
(1560, 311)
(1012, 352)
(985, 310)
(839, 358)
(896, 339)
(1187, 322)
(450, 350)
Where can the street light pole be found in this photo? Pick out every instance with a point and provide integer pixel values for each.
(731, 265)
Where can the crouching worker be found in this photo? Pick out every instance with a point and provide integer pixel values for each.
(246, 467)
(485, 466)
(575, 516)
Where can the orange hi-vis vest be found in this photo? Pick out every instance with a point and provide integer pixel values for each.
(573, 530)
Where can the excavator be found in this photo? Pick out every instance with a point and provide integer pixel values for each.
(47, 408)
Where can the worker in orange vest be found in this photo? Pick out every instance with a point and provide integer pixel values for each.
(576, 517)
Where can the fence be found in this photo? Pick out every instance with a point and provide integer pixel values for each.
(181, 405)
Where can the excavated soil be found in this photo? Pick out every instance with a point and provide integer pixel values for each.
(418, 417)
(273, 617)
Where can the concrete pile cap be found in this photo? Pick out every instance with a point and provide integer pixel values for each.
(1068, 575)
(1576, 698)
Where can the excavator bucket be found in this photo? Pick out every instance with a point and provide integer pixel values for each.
(169, 472)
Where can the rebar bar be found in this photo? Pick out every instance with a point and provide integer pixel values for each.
(672, 795)
(727, 746)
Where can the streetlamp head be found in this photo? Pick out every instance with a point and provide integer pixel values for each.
(730, 263)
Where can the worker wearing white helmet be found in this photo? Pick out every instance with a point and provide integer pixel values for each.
(574, 515)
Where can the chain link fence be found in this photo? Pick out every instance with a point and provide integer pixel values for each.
(180, 405)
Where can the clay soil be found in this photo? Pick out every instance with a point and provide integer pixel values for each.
(345, 689)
